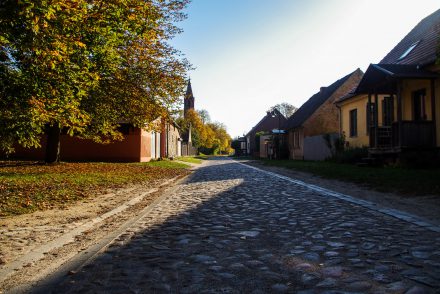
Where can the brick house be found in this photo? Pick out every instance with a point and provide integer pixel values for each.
(318, 116)
(138, 145)
(272, 120)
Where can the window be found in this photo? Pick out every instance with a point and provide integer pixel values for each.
(419, 111)
(353, 123)
(408, 51)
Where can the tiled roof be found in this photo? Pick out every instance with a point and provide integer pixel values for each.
(349, 95)
(268, 116)
(314, 102)
(425, 37)
(377, 73)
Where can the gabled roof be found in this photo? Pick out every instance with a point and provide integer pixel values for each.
(349, 95)
(269, 116)
(420, 44)
(378, 77)
(314, 102)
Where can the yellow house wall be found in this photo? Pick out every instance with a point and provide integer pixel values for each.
(437, 111)
(359, 103)
(408, 87)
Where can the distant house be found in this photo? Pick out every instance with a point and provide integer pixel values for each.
(138, 145)
(272, 120)
(273, 145)
(395, 107)
(239, 145)
(316, 117)
(172, 141)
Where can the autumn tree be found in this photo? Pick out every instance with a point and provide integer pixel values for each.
(209, 138)
(222, 142)
(83, 66)
(285, 108)
(204, 115)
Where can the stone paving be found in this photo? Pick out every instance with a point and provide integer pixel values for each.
(233, 229)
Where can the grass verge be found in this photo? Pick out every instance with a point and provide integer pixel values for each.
(388, 179)
(26, 187)
(191, 159)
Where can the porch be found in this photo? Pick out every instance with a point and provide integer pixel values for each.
(407, 114)
(406, 135)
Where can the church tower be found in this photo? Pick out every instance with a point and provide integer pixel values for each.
(188, 101)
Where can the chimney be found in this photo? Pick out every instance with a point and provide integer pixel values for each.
(322, 89)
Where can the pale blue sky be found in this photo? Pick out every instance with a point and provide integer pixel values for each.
(251, 54)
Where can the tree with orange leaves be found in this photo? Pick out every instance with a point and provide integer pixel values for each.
(84, 66)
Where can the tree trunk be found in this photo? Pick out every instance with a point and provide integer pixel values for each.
(53, 144)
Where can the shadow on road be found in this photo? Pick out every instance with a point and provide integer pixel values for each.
(230, 229)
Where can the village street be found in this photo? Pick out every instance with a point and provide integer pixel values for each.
(230, 228)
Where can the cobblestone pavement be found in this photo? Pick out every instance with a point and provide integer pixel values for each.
(233, 229)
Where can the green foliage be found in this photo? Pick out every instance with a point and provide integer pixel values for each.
(350, 155)
(284, 108)
(84, 66)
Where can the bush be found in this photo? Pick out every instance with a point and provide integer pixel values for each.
(350, 155)
(419, 159)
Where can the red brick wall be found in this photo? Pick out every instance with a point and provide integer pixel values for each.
(75, 149)
(326, 118)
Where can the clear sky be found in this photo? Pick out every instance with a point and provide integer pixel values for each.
(252, 54)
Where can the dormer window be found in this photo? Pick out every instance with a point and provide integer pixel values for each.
(408, 51)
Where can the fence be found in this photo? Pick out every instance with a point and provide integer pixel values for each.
(188, 149)
(316, 147)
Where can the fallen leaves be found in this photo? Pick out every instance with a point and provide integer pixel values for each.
(29, 187)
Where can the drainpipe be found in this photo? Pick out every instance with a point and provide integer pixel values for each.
(340, 118)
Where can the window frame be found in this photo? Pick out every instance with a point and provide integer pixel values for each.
(353, 129)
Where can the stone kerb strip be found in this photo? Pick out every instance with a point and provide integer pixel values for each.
(367, 204)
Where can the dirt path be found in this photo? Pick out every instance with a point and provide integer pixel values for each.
(426, 207)
(24, 238)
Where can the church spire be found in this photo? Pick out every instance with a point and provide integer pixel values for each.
(188, 101)
(189, 92)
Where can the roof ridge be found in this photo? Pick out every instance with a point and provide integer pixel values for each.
(315, 101)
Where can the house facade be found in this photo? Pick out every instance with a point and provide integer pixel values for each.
(272, 120)
(138, 145)
(318, 116)
(395, 107)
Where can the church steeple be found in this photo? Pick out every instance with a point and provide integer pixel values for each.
(188, 101)
(189, 91)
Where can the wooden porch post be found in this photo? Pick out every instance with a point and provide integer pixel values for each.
(433, 108)
(369, 114)
(376, 119)
(399, 111)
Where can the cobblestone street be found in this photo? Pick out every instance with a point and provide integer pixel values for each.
(234, 229)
